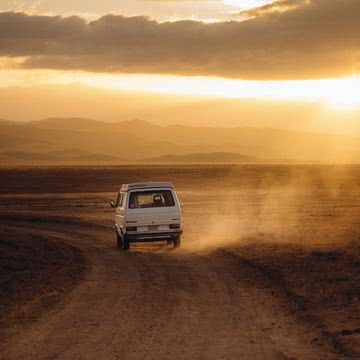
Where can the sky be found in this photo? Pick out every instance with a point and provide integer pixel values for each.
(264, 50)
(161, 10)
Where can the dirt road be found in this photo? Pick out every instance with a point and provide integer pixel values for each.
(156, 303)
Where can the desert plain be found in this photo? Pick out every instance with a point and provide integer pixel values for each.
(269, 266)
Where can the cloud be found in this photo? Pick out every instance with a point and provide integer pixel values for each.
(25, 5)
(277, 6)
(317, 39)
(180, 1)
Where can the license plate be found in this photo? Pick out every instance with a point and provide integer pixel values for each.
(153, 227)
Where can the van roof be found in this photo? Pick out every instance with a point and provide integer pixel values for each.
(147, 185)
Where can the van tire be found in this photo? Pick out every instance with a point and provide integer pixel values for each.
(119, 241)
(177, 242)
(125, 243)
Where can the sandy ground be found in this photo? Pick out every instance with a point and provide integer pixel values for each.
(273, 275)
(36, 271)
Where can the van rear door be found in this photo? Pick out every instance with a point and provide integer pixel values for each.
(152, 209)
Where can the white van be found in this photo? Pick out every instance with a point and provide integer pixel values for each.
(147, 212)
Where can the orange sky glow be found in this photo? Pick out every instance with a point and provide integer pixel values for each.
(339, 94)
(199, 48)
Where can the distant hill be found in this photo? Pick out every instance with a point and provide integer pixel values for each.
(83, 124)
(218, 157)
(66, 124)
(3, 121)
(139, 141)
(65, 156)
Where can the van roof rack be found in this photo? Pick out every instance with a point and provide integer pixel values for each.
(147, 185)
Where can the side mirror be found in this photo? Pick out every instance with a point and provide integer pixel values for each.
(112, 204)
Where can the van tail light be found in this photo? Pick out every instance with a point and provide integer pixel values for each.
(131, 228)
(174, 226)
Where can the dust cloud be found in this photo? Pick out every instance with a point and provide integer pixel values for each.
(306, 207)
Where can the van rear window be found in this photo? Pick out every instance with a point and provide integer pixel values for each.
(151, 199)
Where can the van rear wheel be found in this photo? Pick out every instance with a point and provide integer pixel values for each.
(119, 241)
(177, 242)
(125, 243)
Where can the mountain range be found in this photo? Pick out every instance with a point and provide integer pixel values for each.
(80, 140)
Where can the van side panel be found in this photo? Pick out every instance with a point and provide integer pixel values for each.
(120, 213)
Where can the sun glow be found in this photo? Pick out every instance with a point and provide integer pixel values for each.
(341, 94)
(246, 4)
(347, 94)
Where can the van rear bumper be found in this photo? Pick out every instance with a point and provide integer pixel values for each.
(153, 236)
